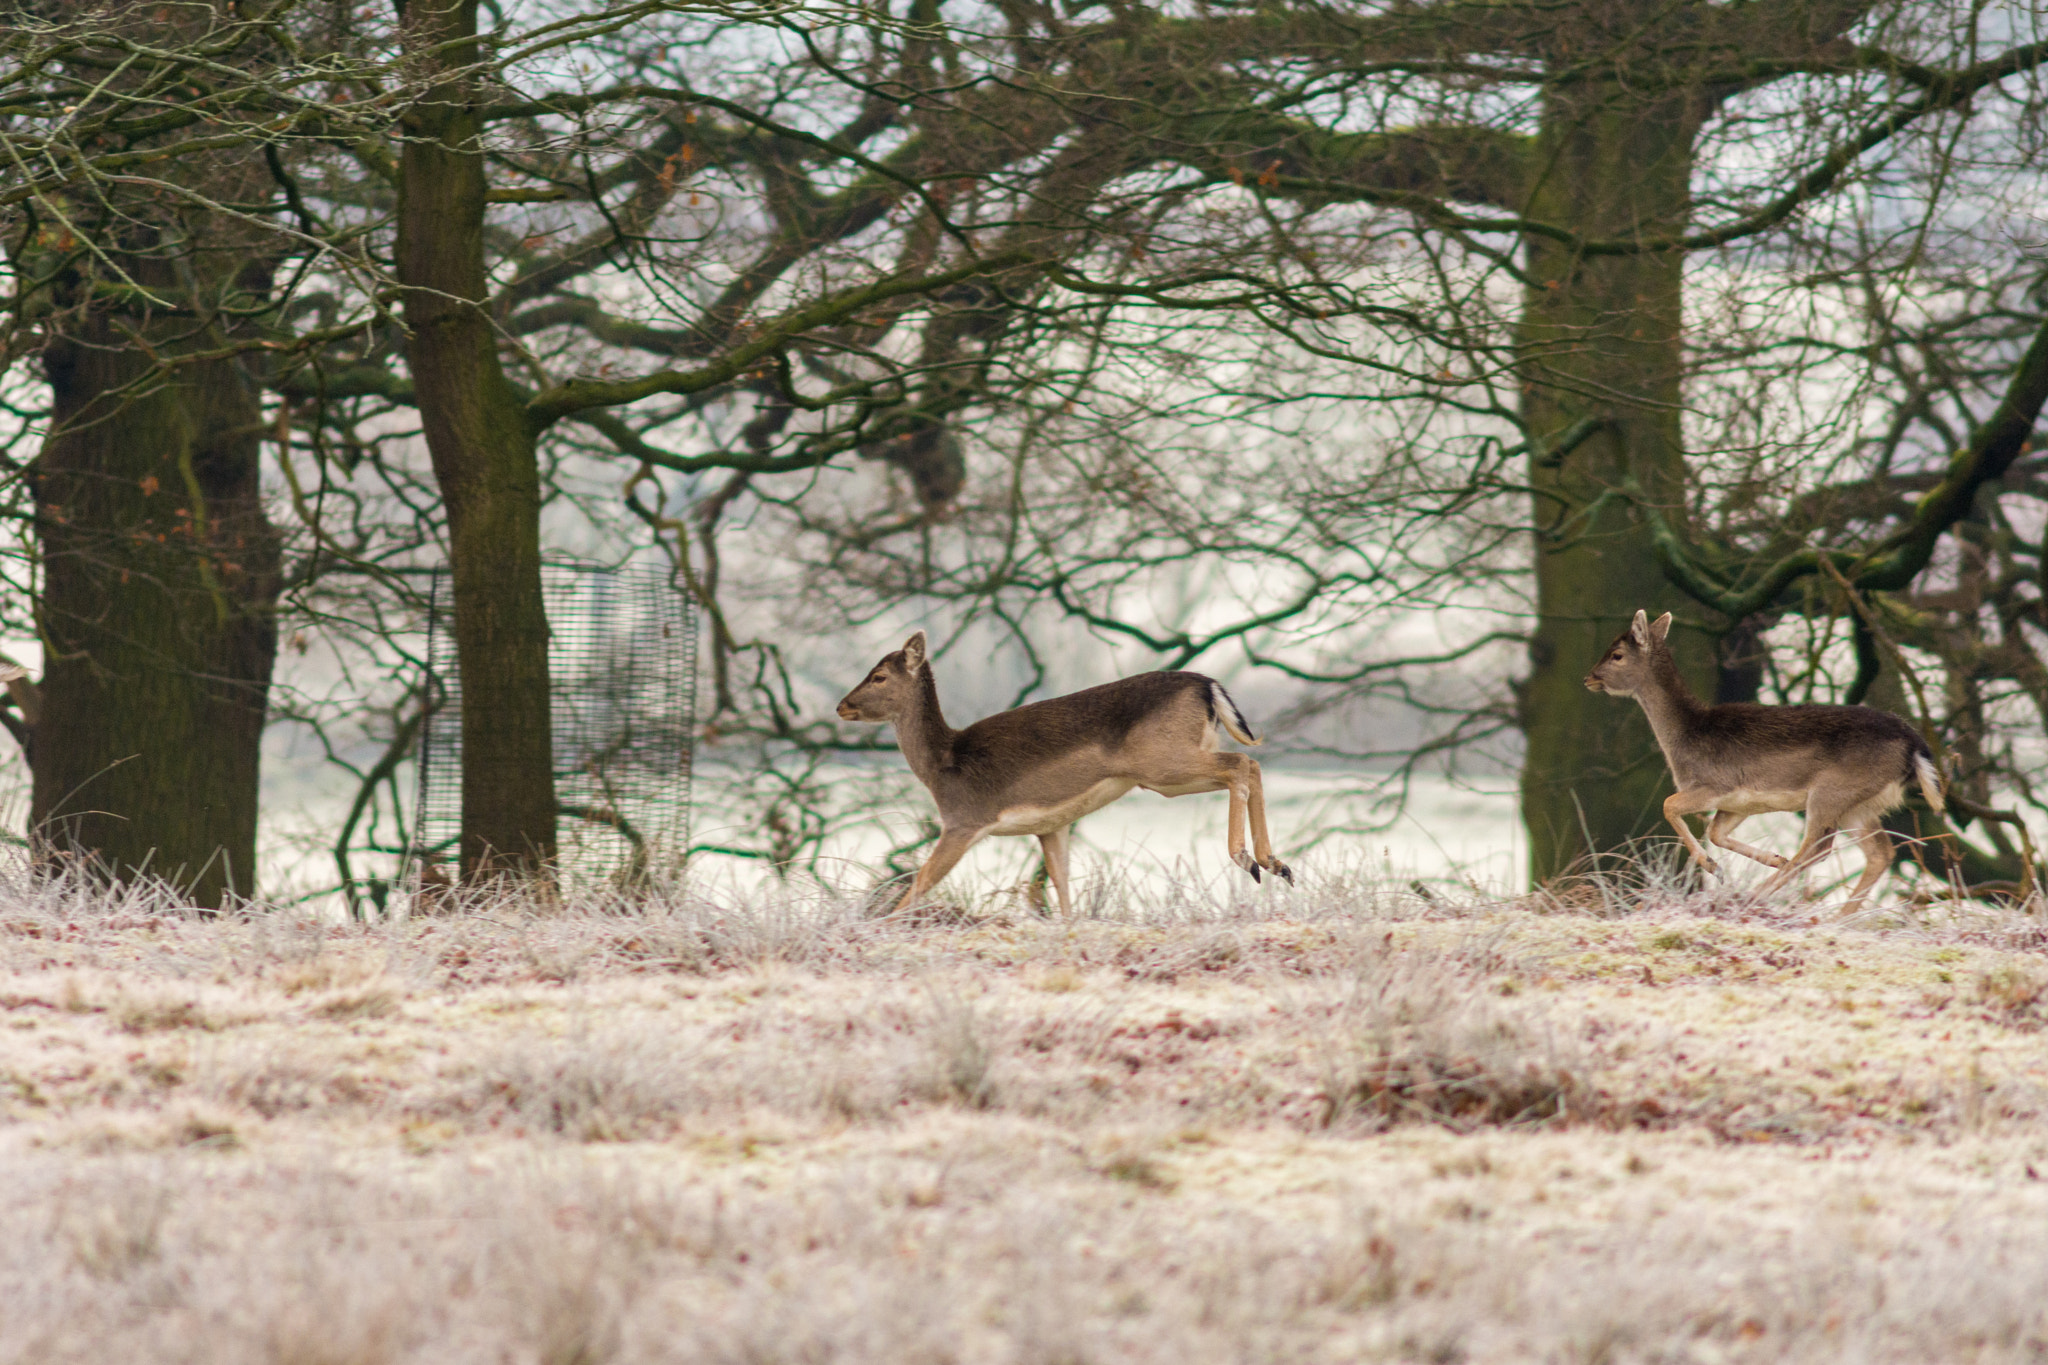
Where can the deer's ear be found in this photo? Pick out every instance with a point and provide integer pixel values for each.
(1639, 630)
(913, 652)
(1660, 628)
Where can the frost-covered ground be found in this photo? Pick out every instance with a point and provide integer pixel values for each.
(1348, 1122)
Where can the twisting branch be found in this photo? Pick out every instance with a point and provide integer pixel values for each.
(1898, 559)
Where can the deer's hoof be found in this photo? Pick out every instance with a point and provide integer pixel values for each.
(1713, 868)
(1282, 871)
(1247, 862)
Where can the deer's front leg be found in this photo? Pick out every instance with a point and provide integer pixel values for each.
(951, 848)
(1677, 806)
(1054, 846)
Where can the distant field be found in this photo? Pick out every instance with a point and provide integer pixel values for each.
(1346, 1123)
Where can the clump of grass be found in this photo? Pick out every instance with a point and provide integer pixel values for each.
(2016, 993)
(275, 1080)
(312, 971)
(372, 1000)
(603, 1088)
(201, 1126)
(1417, 1038)
(113, 1234)
(169, 1009)
(1362, 1274)
(1132, 1166)
(159, 1014)
(578, 1323)
(962, 1053)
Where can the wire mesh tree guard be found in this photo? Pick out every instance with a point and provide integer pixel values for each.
(622, 664)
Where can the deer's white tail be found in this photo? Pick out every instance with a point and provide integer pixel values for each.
(1229, 717)
(1929, 778)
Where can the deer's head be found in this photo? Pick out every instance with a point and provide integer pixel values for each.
(1625, 667)
(890, 685)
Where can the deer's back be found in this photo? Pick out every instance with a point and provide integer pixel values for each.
(1104, 717)
(1751, 744)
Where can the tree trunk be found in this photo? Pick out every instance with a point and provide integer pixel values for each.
(1601, 338)
(484, 461)
(160, 580)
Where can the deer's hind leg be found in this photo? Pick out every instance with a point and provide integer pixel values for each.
(1262, 842)
(1877, 860)
(1819, 839)
(1825, 814)
(1721, 830)
(1239, 774)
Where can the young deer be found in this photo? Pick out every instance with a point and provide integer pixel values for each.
(1039, 768)
(1845, 766)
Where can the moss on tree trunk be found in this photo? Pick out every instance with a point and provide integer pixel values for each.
(160, 579)
(1601, 337)
(484, 461)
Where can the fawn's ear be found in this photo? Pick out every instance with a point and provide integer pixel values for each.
(913, 652)
(1659, 628)
(1639, 630)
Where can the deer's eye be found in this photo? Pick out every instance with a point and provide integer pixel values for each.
(1617, 654)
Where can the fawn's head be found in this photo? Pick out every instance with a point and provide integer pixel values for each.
(1625, 667)
(890, 684)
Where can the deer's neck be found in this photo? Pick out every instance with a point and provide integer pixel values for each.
(922, 732)
(1671, 707)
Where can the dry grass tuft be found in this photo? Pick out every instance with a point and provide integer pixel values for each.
(150, 1015)
(1417, 1038)
(962, 1053)
(2016, 990)
(112, 1235)
(192, 1125)
(371, 1000)
(608, 1087)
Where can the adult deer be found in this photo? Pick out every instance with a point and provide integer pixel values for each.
(1845, 766)
(1039, 768)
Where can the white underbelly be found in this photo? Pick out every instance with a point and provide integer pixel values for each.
(1046, 819)
(1760, 801)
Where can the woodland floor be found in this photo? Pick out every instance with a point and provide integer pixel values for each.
(1340, 1124)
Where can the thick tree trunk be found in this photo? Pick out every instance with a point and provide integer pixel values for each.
(484, 461)
(1601, 338)
(160, 578)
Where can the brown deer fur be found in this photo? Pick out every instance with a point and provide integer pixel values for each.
(1845, 766)
(1039, 768)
